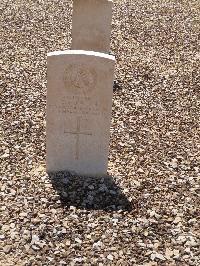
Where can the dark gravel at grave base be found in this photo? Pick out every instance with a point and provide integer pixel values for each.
(147, 211)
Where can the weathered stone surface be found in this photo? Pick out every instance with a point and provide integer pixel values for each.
(79, 103)
(91, 25)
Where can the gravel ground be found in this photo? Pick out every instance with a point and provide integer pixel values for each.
(147, 211)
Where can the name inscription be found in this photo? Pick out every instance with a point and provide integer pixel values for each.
(79, 105)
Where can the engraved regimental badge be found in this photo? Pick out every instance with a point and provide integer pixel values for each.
(79, 79)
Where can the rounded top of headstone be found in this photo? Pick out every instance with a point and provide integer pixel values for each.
(81, 52)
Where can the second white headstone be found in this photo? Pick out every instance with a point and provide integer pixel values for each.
(91, 25)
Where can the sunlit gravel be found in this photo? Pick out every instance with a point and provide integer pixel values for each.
(147, 212)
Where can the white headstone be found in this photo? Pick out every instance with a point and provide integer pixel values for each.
(79, 103)
(91, 25)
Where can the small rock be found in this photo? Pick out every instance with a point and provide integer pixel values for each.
(168, 253)
(36, 248)
(176, 252)
(7, 249)
(78, 240)
(72, 208)
(140, 171)
(5, 228)
(68, 243)
(187, 250)
(103, 188)
(27, 247)
(23, 214)
(97, 245)
(138, 104)
(12, 225)
(78, 259)
(192, 221)
(62, 262)
(2, 237)
(35, 239)
(110, 257)
(66, 224)
(157, 256)
(177, 220)
(173, 163)
(64, 231)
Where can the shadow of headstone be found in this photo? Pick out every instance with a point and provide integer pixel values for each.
(89, 193)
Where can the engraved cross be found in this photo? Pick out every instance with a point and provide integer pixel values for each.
(77, 134)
